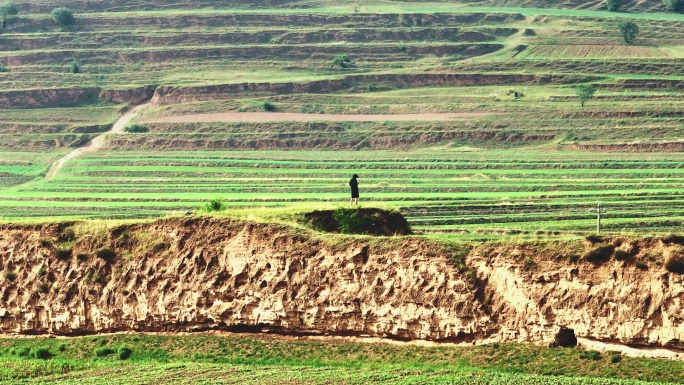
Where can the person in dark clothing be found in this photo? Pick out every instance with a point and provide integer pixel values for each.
(354, 184)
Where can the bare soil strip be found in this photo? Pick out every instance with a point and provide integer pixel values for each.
(296, 117)
(96, 143)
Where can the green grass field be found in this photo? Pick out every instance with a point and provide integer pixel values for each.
(211, 359)
(438, 189)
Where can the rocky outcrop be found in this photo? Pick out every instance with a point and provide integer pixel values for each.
(185, 274)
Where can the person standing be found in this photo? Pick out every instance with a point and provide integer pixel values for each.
(354, 184)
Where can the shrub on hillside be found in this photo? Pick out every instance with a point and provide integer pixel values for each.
(43, 288)
(348, 220)
(41, 353)
(20, 352)
(64, 253)
(62, 16)
(124, 352)
(215, 204)
(136, 128)
(613, 5)
(106, 254)
(104, 351)
(67, 235)
(10, 275)
(599, 254)
(621, 255)
(268, 106)
(75, 67)
(674, 5)
(593, 239)
(342, 61)
(7, 11)
(675, 262)
(673, 239)
(615, 357)
(590, 355)
(3, 68)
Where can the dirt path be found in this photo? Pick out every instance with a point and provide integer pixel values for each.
(96, 143)
(290, 117)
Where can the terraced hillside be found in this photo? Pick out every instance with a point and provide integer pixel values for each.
(246, 105)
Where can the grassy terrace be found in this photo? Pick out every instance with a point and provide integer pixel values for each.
(536, 164)
(214, 359)
(440, 189)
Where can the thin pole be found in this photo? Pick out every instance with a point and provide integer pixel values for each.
(598, 218)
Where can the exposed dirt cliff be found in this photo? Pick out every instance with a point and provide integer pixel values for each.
(171, 95)
(184, 274)
(59, 97)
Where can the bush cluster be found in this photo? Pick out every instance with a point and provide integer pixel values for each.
(41, 353)
(599, 254)
(349, 221)
(104, 351)
(342, 61)
(675, 263)
(62, 16)
(215, 204)
(590, 355)
(613, 5)
(136, 128)
(124, 352)
(674, 5)
(268, 106)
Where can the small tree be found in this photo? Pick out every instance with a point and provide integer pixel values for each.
(613, 5)
(674, 5)
(628, 31)
(342, 61)
(75, 66)
(7, 11)
(584, 92)
(62, 17)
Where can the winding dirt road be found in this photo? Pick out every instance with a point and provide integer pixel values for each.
(296, 117)
(96, 143)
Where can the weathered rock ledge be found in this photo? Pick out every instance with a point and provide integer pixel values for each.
(190, 274)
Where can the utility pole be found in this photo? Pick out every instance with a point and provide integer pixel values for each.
(599, 211)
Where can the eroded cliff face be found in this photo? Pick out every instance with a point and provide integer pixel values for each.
(533, 293)
(187, 274)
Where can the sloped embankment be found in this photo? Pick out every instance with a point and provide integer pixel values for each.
(185, 274)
